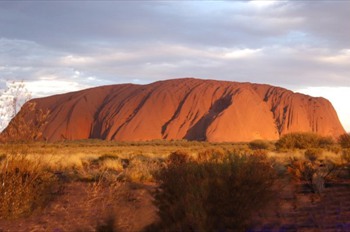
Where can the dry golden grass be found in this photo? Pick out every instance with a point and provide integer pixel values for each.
(122, 150)
(25, 185)
(105, 165)
(75, 154)
(89, 158)
(112, 164)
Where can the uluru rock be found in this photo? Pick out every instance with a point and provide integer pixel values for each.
(192, 109)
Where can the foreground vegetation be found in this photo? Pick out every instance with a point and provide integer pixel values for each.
(25, 186)
(200, 186)
(219, 193)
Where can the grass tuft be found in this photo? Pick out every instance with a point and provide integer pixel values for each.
(24, 187)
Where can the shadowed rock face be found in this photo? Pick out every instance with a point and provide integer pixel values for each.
(193, 109)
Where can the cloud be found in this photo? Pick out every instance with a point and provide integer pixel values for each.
(294, 44)
(74, 25)
(44, 87)
(338, 95)
(341, 57)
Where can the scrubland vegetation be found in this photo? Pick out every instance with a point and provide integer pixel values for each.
(196, 186)
(25, 186)
(213, 194)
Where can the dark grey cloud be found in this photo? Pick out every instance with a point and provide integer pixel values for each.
(59, 46)
(327, 20)
(71, 25)
(298, 42)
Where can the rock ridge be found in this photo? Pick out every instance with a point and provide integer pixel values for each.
(187, 108)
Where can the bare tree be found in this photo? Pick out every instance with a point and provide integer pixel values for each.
(12, 98)
(24, 120)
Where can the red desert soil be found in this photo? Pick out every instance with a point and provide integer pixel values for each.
(82, 207)
(192, 109)
(79, 209)
(298, 209)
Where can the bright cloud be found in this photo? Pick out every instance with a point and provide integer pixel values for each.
(77, 60)
(293, 44)
(263, 3)
(47, 87)
(242, 53)
(339, 96)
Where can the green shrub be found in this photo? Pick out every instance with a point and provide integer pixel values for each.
(344, 140)
(313, 154)
(213, 196)
(24, 187)
(259, 145)
(179, 157)
(326, 142)
(303, 141)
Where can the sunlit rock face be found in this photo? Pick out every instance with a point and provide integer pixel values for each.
(192, 109)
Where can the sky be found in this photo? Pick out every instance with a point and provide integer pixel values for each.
(63, 46)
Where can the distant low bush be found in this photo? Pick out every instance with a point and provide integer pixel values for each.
(179, 157)
(109, 162)
(313, 154)
(303, 141)
(142, 169)
(211, 155)
(24, 187)
(344, 140)
(259, 145)
(326, 142)
(213, 196)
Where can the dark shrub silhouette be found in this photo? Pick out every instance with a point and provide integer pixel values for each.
(344, 140)
(259, 144)
(313, 154)
(303, 141)
(213, 196)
